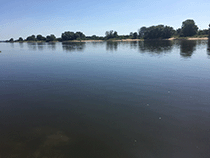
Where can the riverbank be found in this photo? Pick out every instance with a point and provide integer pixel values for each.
(189, 38)
(114, 40)
(122, 40)
(132, 40)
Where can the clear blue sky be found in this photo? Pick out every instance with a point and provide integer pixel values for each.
(21, 18)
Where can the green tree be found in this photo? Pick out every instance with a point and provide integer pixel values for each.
(209, 33)
(59, 39)
(20, 39)
(203, 32)
(178, 31)
(31, 38)
(168, 32)
(40, 38)
(158, 32)
(135, 35)
(79, 36)
(67, 36)
(11, 40)
(111, 34)
(50, 38)
(142, 31)
(94, 37)
(189, 28)
(115, 35)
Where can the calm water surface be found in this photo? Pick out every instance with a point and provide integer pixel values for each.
(105, 100)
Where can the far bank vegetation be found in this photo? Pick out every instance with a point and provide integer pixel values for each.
(188, 29)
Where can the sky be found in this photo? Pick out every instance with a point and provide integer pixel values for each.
(22, 18)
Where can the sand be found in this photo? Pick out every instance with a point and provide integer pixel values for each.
(203, 38)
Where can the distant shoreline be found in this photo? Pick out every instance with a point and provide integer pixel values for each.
(189, 38)
(117, 40)
(133, 40)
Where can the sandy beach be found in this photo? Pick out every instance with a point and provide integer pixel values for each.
(203, 38)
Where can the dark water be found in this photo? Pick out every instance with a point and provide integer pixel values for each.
(105, 100)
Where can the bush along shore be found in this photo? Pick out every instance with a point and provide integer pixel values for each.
(188, 31)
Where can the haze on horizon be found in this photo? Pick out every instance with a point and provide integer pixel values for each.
(22, 18)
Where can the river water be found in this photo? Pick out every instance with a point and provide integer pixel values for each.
(105, 100)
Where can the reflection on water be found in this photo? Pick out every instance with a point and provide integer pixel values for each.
(40, 45)
(133, 45)
(51, 45)
(111, 46)
(97, 44)
(208, 48)
(32, 45)
(73, 46)
(12, 44)
(155, 46)
(208, 53)
(21, 44)
(127, 104)
(187, 48)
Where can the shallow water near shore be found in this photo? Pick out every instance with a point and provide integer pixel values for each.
(105, 99)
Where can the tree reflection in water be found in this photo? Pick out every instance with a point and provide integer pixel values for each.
(155, 47)
(133, 44)
(32, 45)
(52, 45)
(187, 48)
(111, 46)
(40, 45)
(208, 48)
(21, 44)
(73, 46)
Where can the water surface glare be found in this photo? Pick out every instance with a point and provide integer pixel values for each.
(105, 100)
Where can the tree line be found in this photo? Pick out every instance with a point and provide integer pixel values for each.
(188, 28)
